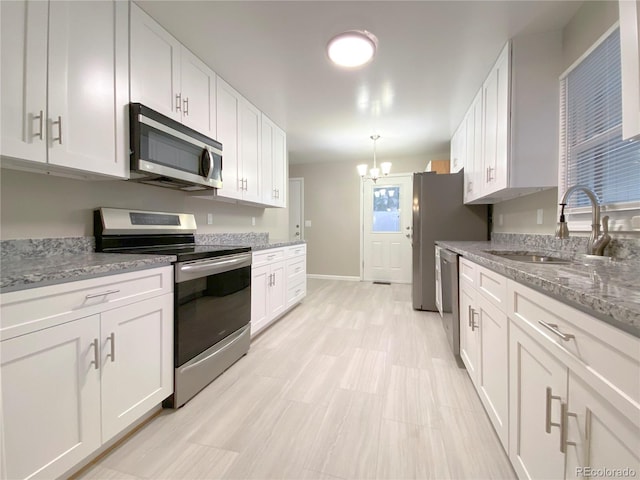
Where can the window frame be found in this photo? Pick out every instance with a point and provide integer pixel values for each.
(579, 218)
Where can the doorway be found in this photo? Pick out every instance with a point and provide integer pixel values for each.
(385, 220)
(296, 208)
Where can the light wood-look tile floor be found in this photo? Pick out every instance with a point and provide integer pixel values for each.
(351, 384)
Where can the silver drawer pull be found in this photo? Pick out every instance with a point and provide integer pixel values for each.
(101, 294)
(271, 257)
(40, 119)
(553, 328)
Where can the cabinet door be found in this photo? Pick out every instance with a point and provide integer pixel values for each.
(268, 187)
(604, 436)
(249, 151)
(494, 360)
(24, 79)
(137, 359)
(630, 63)
(280, 166)
(469, 338)
(458, 148)
(471, 190)
(155, 65)
(260, 284)
(227, 118)
(88, 68)
(495, 131)
(51, 399)
(198, 83)
(538, 385)
(278, 290)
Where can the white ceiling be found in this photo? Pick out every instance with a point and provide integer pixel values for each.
(432, 58)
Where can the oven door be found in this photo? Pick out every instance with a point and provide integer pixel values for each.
(162, 147)
(212, 301)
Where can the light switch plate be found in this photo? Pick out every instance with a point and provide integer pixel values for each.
(540, 216)
(253, 221)
(209, 218)
(307, 223)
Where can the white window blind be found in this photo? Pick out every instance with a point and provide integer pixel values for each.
(592, 151)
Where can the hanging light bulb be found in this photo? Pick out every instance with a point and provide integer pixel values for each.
(374, 172)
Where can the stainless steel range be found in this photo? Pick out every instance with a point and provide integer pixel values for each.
(212, 291)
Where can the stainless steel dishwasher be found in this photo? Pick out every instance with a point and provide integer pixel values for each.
(450, 310)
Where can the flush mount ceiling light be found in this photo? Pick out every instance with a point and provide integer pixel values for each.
(352, 48)
(374, 173)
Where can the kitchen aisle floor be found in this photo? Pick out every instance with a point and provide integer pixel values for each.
(351, 384)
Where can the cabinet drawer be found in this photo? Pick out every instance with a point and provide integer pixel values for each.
(267, 256)
(601, 348)
(296, 250)
(26, 311)
(296, 268)
(492, 286)
(467, 271)
(296, 292)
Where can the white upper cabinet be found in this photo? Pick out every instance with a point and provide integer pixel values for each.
(65, 86)
(630, 57)
(168, 78)
(473, 149)
(239, 127)
(516, 122)
(274, 163)
(458, 149)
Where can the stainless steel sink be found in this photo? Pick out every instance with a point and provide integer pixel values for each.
(529, 257)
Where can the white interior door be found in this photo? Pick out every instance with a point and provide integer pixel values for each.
(386, 229)
(296, 208)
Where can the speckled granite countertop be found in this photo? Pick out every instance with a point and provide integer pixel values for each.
(19, 273)
(275, 244)
(609, 290)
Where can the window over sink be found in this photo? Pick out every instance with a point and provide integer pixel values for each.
(592, 151)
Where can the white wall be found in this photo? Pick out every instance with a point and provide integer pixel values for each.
(332, 203)
(590, 22)
(34, 205)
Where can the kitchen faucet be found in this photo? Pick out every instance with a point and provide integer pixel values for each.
(596, 243)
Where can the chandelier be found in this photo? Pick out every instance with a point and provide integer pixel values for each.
(374, 173)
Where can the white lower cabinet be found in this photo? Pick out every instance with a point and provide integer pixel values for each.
(483, 342)
(574, 390)
(51, 398)
(78, 371)
(561, 388)
(278, 282)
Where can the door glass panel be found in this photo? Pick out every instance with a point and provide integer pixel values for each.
(386, 209)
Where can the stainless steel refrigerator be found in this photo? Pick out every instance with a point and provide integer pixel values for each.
(440, 214)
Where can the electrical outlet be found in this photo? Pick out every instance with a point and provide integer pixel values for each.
(540, 216)
(500, 220)
(209, 218)
(253, 221)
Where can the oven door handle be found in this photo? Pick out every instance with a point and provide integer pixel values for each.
(201, 269)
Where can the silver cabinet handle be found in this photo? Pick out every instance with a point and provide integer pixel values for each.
(469, 186)
(185, 106)
(548, 423)
(564, 427)
(472, 322)
(96, 354)
(246, 184)
(112, 342)
(40, 119)
(469, 314)
(178, 103)
(271, 257)
(553, 328)
(59, 137)
(101, 294)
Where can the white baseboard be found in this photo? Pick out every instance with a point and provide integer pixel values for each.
(334, 277)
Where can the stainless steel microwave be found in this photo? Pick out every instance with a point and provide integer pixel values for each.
(168, 154)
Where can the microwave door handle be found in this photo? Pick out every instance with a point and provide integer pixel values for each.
(210, 165)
